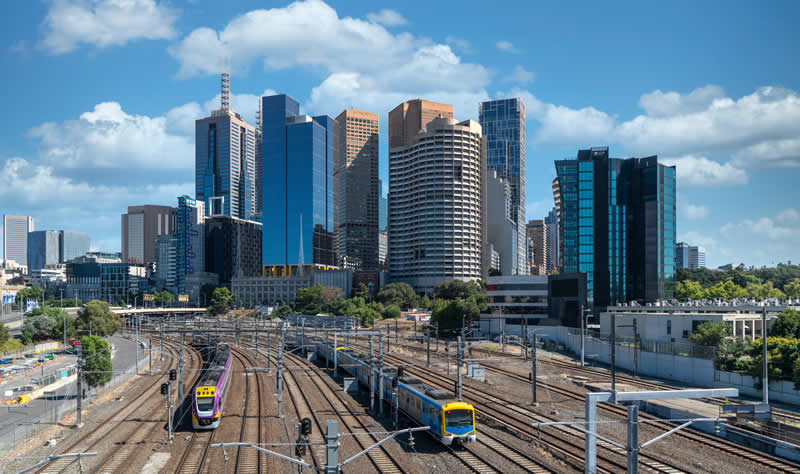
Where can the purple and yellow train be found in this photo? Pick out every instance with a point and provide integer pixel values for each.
(209, 395)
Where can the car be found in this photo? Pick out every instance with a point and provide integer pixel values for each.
(127, 306)
(5, 361)
(76, 343)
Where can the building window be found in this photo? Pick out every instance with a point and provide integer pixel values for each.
(669, 326)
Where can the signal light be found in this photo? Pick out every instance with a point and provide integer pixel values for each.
(173, 374)
(164, 388)
(305, 427)
(300, 448)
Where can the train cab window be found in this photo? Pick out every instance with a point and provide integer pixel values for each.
(205, 403)
(458, 418)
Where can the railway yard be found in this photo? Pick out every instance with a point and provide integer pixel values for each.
(128, 429)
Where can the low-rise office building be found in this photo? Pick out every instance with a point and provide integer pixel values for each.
(271, 290)
(676, 323)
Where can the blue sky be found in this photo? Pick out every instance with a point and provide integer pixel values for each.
(101, 95)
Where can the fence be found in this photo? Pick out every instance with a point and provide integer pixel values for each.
(328, 322)
(55, 407)
(48, 346)
(682, 349)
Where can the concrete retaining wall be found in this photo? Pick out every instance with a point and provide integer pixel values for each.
(779, 390)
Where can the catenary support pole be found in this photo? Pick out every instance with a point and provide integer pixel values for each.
(380, 374)
(533, 369)
(613, 352)
(428, 350)
(765, 373)
(180, 379)
(583, 335)
(372, 375)
(458, 367)
(336, 354)
(79, 393)
(332, 447)
(280, 370)
(633, 439)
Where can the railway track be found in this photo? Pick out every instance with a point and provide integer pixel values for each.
(496, 409)
(249, 459)
(114, 427)
(710, 441)
(194, 456)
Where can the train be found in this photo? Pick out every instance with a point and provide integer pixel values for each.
(451, 422)
(209, 395)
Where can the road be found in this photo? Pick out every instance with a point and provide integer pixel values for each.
(14, 417)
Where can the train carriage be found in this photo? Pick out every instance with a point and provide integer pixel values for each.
(452, 422)
(209, 395)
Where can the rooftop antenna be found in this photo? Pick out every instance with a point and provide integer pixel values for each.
(226, 83)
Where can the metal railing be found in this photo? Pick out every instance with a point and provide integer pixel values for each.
(684, 349)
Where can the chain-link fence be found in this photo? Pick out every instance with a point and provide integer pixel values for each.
(54, 407)
(685, 349)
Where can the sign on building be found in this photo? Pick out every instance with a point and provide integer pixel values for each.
(148, 297)
(183, 298)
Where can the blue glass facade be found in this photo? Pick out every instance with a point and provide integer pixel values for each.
(297, 158)
(225, 162)
(618, 226)
(190, 240)
(43, 249)
(503, 125)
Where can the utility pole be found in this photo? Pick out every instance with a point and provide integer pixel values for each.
(304, 336)
(150, 345)
(280, 370)
(137, 346)
(583, 334)
(336, 353)
(332, 447)
(636, 347)
(269, 344)
(765, 373)
(64, 318)
(380, 372)
(80, 385)
(458, 367)
(371, 375)
(258, 323)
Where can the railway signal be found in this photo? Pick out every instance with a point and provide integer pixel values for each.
(173, 374)
(305, 427)
(164, 388)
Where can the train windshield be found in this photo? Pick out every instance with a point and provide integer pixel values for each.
(458, 418)
(205, 403)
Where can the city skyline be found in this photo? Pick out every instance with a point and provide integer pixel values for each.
(734, 176)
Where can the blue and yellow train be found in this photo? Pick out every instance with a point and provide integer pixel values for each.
(452, 422)
(209, 395)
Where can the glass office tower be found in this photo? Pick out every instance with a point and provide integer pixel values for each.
(190, 240)
(72, 245)
(617, 224)
(297, 158)
(503, 125)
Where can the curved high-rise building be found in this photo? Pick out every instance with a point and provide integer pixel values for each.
(437, 217)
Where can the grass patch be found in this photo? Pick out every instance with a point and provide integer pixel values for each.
(11, 345)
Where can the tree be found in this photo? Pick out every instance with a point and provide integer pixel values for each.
(763, 290)
(37, 328)
(206, 294)
(689, 290)
(792, 288)
(391, 311)
(361, 292)
(61, 321)
(220, 301)
(367, 315)
(726, 290)
(493, 272)
(400, 294)
(32, 293)
(451, 315)
(96, 360)
(97, 317)
(282, 311)
(787, 325)
(710, 333)
(456, 289)
(4, 335)
(167, 298)
(315, 299)
(425, 303)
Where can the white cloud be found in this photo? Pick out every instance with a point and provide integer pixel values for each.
(108, 137)
(698, 239)
(666, 104)
(701, 171)
(520, 75)
(770, 154)
(785, 226)
(387, 17)
(180, 120)
(460, 44)
(105, 23)
(506, 46)
(695, 213)
(725, 126)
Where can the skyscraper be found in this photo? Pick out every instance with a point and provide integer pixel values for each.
(552, 241)
(356, 189)
(501, 229)
(297, 212)
(503, 124)
(141, 225)
(537, 245)
(618, 226)
(689, 257)
(225, 162)
(15, 238)
(72, 245)
(412, 117)
(437, 208)
(42, 249)
(189, 240)
(383, 208)
(233, 248)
